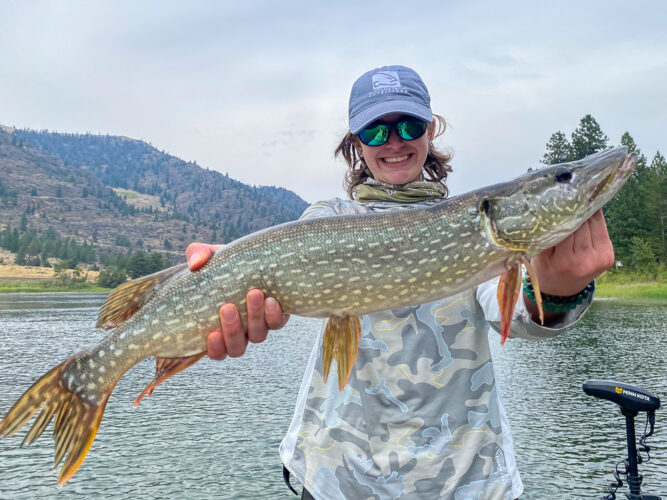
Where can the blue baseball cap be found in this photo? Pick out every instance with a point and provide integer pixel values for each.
(387, 90)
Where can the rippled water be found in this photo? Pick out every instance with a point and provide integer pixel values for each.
(213, 431)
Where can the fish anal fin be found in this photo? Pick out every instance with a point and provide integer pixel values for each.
(341, 342)
(129, 297)
(165, 368)
(509, 286)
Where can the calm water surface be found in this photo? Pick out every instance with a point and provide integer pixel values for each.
(213, 431)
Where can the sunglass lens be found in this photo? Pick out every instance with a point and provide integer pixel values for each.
(374, 136)
(411, 128)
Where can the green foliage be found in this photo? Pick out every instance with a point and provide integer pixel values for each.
(656, 206)
(68, 278)
(7, 195)
(559, 149)
(642, 258)
(141, 264)
(9, 239)
(111, 277)
(123, 241)
(33, 250)
(588, 138)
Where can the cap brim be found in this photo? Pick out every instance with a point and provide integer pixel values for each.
(377, 111)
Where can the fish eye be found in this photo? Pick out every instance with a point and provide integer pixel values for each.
(485, 207)
(563, 176)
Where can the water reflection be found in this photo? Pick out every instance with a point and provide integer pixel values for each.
(214, 430)
(567, 443)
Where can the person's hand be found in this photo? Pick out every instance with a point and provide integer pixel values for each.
(262, 315)
(568, 267)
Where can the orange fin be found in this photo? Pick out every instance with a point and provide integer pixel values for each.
(509, 286)
(165, 368)
(536, 288)
(341, 342)
(76, 422)
(129, 297)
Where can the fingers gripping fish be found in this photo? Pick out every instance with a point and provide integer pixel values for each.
(333, 267)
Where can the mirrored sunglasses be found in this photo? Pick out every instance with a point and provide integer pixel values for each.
(408, 129)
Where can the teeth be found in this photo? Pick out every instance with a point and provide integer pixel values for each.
(396, 159)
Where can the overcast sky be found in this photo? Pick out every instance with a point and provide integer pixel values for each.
(259, 89)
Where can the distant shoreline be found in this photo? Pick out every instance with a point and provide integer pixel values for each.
(653, 290)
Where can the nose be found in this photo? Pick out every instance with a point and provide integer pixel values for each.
(394, 140)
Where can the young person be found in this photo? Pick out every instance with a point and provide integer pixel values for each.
(420, 417)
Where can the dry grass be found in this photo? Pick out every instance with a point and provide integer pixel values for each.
(18, 272)
(140, 200)
(12, 271)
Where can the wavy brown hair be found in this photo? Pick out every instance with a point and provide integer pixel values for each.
(436, 167)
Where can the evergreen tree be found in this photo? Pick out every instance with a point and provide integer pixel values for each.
(625, 213)
(559, 149)
(139, 265)
(656, 206)
(111, 277)
(642, 258)
(588, 138)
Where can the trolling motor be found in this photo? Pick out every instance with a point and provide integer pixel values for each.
(631, 400)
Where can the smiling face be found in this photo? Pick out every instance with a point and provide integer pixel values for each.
(397, 161)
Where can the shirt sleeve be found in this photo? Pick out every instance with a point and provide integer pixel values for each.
(522, 324)
(334, 206)
(318, 209)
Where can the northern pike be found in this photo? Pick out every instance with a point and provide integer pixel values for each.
(336, 267)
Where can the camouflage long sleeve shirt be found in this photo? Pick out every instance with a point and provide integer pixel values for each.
(420, 417)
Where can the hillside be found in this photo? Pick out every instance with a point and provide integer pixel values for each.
(63, 184)
(198, 193)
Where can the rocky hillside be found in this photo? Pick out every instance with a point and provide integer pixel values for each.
(118, 194)
(186, 188)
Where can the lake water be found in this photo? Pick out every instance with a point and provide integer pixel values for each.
(213, 431)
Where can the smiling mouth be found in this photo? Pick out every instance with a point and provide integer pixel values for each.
(396, 159)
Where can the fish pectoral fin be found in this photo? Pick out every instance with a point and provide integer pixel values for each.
(536, 288)
(129, 297)
(509, 286)
(76, 420)
(341, 342)
(165, 368)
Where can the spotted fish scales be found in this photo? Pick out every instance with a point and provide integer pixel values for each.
(333, 267)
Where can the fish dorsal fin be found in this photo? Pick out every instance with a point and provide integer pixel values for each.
(129, 297)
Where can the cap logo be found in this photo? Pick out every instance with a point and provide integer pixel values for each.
(387, 82)
(386, 79)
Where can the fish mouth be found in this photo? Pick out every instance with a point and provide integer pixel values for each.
(618, 174)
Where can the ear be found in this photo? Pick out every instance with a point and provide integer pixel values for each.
(432, 129)
(357, 145)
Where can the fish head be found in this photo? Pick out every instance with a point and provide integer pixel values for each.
(540, 209)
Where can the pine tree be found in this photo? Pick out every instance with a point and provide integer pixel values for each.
(626, 213)
(656, 206)
(559, 149)
(588, 138)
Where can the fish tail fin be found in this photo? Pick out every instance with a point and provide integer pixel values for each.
(76, 419)
(341, 342)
